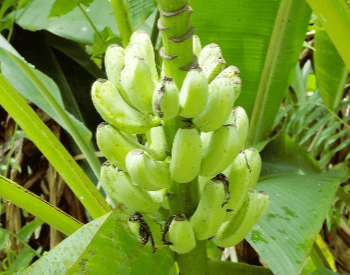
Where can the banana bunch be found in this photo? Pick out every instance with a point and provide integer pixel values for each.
(206, 147)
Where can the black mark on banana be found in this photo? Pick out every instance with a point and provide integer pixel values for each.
(140, 228)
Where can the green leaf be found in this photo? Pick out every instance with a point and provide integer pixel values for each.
(62, 7)
(220, 267)
(298, 206)
(43, 92)
(53, 150)
(38, 207)
(331, 71)
(298, 84)
(324, 271)
(26, 231)
(4, 237)
(104, 246)
(13, 69)
(263, 39)
(23, 259)
(335, 18)
(282, 156)
(108, 37)
(74, 25)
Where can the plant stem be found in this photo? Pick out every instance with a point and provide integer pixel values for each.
(194, 262)
(11, 150)
(121, 14)
(176, 28)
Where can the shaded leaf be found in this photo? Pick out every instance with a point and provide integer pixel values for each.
(220, 267)
(62, 7)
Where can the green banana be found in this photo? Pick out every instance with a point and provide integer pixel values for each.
(186, 155)
(158, 139)
(114, 63)
(240, 118)
(219, 105)
(194, 93)
(140, 44)
(119, 187)
(115, 145)
(222, 150)
(205, 138)
(254, 160)
(178, 233)
(213, 66)
(146, 172)
(166, 99)
(230, 72)
(239, 176)
(210, 212)
(197, 46)
(234, 231)
(113, 109)
(138, 83)
(208, 52)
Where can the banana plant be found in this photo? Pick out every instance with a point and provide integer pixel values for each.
(185, 191)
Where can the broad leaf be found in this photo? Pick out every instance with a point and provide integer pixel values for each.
(74, 25)
(13, 69)
(298, 206)
(331, 71)
(335, 18)
(263, 39)
(104, 246)
(62, 7)
(220, 267)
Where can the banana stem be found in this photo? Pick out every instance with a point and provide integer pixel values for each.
(175, 26)
(194, 262)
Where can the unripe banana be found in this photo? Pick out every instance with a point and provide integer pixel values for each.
(194, 93)
(240, 118)
(208, 52)
(158, 139)
(210, 212)
(234, 231)
(146, 172)
(239, 176)
(115, 145)
(141, 45)
(254, 161)
(205, 138)
(138, 83)
(197, 45)
(213, 66)
(219, 105)
(178, 233)
(221, 151)
(186, 155)
(230, 72)
(113, 109)
(166, 99)
(114, 63)
(119, 187)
